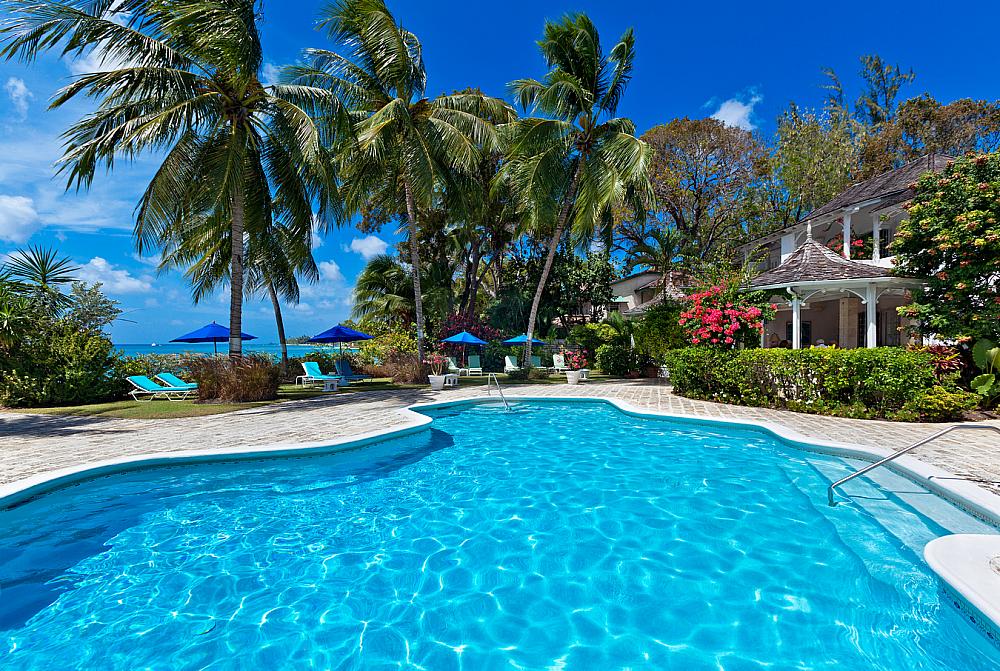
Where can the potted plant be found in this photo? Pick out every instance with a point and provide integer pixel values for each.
(437, 362)
(575, 361)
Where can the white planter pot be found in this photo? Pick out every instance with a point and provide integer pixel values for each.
(573, 377)
(437, 382)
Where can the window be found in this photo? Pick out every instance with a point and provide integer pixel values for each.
(885, 236)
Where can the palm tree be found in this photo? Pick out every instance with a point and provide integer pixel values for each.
(405, 145)
(572, 166)
(383, 292)
(276, 256)
(656, 247)
(186, 83)
(39, 274)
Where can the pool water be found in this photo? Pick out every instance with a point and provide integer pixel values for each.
(558, 536)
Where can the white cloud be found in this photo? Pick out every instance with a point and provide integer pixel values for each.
(737, 113)
(270, 74)
(93, 61)
(19, 95)
(368, 247)
(115, 280)
(317, 240)
(18, 218)
(330, 293)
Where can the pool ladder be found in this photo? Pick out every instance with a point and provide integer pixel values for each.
(491, 380)
(829, 490)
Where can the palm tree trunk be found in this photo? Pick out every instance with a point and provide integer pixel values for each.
(236, 274)
(418, 302)
(280, 323)
(549, 258)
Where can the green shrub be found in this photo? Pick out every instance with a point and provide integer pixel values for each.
(937, 404)
(255, 377)
(529, 373)
(874, 382)
(615, 359)
(60, 364)
(658, 331)
(385, 346)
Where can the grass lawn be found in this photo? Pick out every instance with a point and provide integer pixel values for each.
(160, 409)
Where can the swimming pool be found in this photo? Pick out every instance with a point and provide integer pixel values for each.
(557, 536)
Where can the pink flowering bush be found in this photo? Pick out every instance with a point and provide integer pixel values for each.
(575, 360)
(437, 362)
(721, 317)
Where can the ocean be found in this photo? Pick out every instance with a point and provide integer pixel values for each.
(133, 349)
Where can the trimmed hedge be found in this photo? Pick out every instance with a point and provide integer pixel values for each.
(886, 382)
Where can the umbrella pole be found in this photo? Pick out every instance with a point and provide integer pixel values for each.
(215, 345)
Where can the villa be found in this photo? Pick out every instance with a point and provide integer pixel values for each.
(830, 274)
(638, 292)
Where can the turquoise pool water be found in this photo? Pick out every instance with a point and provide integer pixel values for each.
(559, 536)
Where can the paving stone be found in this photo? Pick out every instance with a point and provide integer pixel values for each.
(32, 444)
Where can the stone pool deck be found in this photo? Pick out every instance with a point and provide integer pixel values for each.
(33, 444)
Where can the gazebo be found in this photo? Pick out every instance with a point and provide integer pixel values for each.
(822, 296)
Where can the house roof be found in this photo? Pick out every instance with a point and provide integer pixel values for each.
(893, 184)
(634, 275)
(813, 262)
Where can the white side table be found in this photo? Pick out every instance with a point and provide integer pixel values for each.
(331, 385)
(451, 380)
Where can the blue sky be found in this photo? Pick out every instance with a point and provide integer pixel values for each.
(742, 62)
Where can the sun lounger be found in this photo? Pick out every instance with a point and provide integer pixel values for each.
(146, 387)
(453, 367)
(314, 375)
(558, 363)
(172, 380)
(345, 371)
(475, 367)
(510, 365)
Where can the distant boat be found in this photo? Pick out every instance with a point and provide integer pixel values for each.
(152, 344)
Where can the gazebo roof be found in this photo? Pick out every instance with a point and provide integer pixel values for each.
(813, 262)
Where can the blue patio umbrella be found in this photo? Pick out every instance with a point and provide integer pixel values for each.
(213, 333)
(464, 338)
(521, 339)
(339, 334)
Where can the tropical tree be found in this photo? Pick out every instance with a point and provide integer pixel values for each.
(276, 256)
(405, 146)
(184, 81)
(577, 161)
(383, 292)
(39, 274)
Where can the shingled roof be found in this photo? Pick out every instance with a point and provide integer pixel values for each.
(813, 262)
(893, 184)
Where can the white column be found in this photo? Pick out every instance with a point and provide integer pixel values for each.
(876, 239)
(847, 235)
(796, 323)
(871, 330)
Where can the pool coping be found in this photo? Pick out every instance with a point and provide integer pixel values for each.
(957, 571)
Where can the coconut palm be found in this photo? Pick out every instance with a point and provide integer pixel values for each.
(577, 161)
(276, 257)
(183, 80)
(383, 292)
(405, 145)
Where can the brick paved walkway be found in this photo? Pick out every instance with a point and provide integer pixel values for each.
(32, 444)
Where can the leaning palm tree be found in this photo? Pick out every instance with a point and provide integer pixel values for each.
(405, 145)
(575, 163)
(184, 81)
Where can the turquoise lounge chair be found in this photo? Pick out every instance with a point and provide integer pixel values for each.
(146, 387)
(475, 366)
(536, 362)
(172, 380)
(345, 371)
(453, 366)
(313, 375)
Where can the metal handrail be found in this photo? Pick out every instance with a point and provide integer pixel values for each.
(492, 377)
(919, 443)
